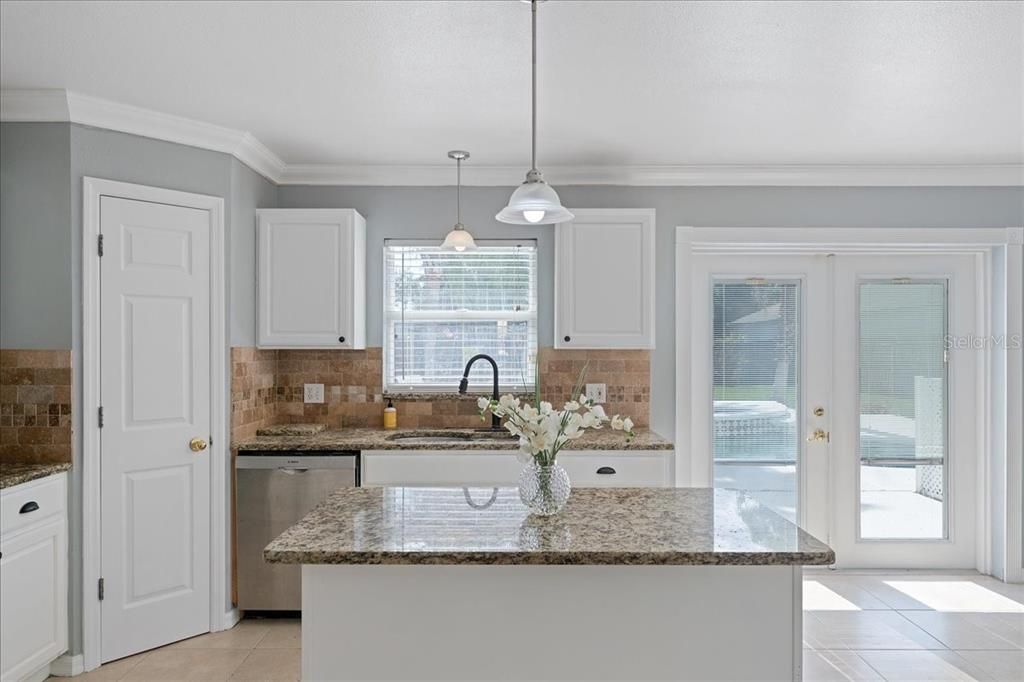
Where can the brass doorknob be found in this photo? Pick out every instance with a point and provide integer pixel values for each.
(819, 435)
(197, 444)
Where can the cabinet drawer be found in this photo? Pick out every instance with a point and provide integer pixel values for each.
(447, 468)
(635, 469)
(25, 504)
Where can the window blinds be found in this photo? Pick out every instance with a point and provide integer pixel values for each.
(443, 307)
(902, 371)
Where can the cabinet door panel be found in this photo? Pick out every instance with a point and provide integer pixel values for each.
(33, 591)
(605, 279)
(310, 278)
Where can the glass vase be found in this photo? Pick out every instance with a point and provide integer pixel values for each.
(544, 488)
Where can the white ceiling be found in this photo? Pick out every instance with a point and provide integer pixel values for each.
(621, 83)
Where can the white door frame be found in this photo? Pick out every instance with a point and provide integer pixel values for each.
(92, 190)
(999, 255)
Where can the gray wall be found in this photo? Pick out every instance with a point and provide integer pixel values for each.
(249, 191)
(40, 237)
(35, 236)
(429, 212)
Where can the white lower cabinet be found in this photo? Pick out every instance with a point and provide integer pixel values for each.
(586, 468)
(33, 576)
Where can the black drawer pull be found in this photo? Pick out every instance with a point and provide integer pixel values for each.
(28, 507)
(341, 339)
(606, 470)
(567, 339)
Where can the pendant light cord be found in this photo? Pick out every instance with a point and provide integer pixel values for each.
(458, 191)
(533, 85)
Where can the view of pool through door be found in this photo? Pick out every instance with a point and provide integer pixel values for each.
(834, 394)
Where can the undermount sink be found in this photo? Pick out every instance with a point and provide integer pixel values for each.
(442, 437)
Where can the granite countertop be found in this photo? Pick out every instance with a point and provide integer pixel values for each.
(641, 526)
(23, 472)
(377, 439)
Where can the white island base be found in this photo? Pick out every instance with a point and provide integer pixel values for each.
(551, 622)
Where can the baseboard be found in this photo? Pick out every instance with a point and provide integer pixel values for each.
(68, 665)
(37, 676)
(231, 618)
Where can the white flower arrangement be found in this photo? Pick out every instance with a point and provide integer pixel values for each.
(543, 430)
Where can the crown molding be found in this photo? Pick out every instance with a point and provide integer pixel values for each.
(73, 107)
(34, 106)
(709, 175)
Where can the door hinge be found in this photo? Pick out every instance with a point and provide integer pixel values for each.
(101, 416)
(100, 589)
(99, 245)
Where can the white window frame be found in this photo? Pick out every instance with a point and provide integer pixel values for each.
(507, 384)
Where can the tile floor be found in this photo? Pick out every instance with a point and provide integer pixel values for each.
(857, 626)
(912, 626)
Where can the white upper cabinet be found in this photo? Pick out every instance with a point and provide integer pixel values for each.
(311, 278)
(604, 279)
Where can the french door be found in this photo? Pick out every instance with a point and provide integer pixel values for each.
(828, 387)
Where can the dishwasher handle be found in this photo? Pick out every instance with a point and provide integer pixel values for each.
(291, 471)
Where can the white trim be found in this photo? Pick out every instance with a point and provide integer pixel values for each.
(1014, 446)
(92, 190)
(231, 618)
(34, 106)
(68, 665)
(689, 175)
(68, 106)
(73, 107)
(980, 242)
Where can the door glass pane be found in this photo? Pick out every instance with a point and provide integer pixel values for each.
(756, 348)
(902, 409)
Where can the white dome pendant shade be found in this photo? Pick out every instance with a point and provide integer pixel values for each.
(459, 239)
(534, 202)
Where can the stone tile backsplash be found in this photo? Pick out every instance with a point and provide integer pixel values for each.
(354, 397)
(253, 399)
(35, 406)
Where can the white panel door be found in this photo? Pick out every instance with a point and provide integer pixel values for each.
(907, 411)
(311, 278)
(604, 279)
(841, 390)
(761, 380)
(155, 392)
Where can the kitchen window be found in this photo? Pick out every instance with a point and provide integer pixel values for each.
(443, 307)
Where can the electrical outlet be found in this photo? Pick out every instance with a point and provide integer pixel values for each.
(312, 393)
(597, 392)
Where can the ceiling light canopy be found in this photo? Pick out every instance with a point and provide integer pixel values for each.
(459, 239)
(535, 201)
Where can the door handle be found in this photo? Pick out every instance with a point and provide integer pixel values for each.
(29, 507)
(291, 471)
(606, 470)
(819, 435)
(197, 444)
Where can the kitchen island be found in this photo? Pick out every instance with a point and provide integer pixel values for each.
(628, 584)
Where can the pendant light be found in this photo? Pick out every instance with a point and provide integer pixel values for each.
(459, 239)
(535, 201)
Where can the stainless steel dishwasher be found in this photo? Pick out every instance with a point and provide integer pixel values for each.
(274, 491)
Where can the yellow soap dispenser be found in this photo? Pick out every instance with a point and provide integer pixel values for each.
(390, 416)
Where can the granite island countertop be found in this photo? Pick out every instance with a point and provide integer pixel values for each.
(22, 472)
(635, 526)
(379, 439)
